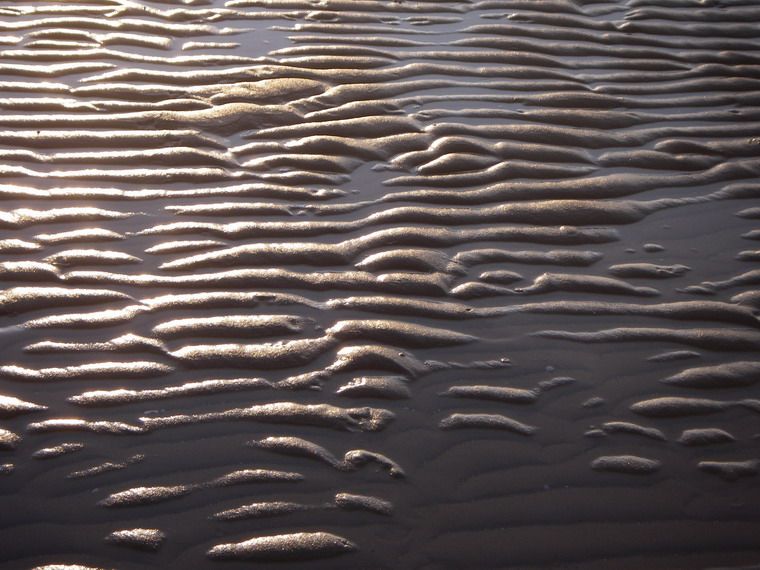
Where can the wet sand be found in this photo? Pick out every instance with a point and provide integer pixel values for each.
(363, 284)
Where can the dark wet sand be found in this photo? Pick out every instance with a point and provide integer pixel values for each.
(363, 284)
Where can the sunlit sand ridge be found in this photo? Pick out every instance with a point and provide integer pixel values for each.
(368, 284)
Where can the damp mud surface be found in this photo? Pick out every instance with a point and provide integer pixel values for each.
(377, 285)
